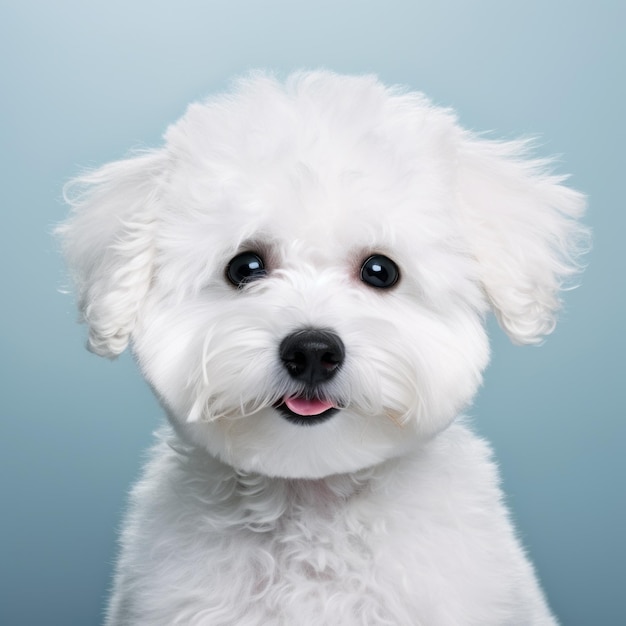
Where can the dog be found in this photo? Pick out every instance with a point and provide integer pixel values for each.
(303, 272)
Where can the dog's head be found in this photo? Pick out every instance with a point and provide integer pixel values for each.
(303, 269)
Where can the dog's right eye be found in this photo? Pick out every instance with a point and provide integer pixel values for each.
(245, 267)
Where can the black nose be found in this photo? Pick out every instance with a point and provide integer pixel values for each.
(312, 356)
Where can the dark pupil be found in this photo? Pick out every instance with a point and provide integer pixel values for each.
(249, 268)
(377, 272)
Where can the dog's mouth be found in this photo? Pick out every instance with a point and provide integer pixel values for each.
(305, 411)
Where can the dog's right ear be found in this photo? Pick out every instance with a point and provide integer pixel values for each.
(108, 243)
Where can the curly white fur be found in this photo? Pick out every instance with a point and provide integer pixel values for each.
(387, 512)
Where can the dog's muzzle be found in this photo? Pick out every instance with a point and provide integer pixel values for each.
(311, 357)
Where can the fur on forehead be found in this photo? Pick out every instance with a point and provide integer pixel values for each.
(262, 120)
(341, 163)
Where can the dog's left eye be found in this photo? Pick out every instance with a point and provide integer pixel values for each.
(379, 271)
(245, 267)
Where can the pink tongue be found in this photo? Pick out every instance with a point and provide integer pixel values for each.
(302, 406)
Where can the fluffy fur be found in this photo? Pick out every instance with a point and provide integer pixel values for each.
(389, 511)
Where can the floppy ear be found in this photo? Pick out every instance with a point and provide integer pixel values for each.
(522, 229)
(109, 245)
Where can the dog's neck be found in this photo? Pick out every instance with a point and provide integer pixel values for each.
(260, 502)
(319, 497)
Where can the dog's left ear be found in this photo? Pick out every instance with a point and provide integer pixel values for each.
(523, 231)
(108, 243)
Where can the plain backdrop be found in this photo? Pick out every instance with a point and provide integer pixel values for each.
(83, 82)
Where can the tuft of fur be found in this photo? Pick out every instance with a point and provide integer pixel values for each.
(523, 225)
(109, 245)
(390, 510)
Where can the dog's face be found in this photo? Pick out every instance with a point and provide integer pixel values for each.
(304, 270)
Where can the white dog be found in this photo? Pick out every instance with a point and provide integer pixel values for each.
(303, 271)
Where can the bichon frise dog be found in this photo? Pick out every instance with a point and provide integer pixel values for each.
(303, 272)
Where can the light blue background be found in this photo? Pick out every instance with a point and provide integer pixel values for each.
(82, 82)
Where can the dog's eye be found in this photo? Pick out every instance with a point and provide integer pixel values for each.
(245, 267)
(379, 271)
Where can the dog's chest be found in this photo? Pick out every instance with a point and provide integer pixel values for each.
(207, 545)
(319, 560)
(322, 536)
